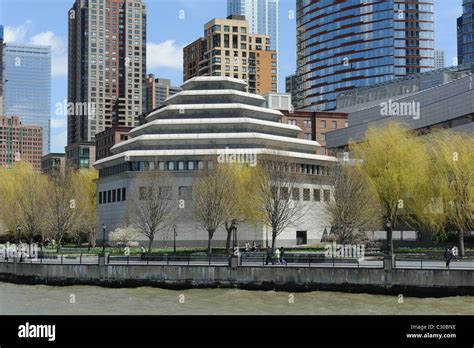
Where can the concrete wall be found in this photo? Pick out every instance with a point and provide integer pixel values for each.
(311, 218)
(407, 282)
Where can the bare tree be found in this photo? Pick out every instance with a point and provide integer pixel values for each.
(353, 209)
(151, 206)
(214, 200)
(277, 203)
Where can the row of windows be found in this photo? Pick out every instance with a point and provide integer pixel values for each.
(191, 166)
(112, 196)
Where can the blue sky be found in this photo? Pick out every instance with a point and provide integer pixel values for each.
(45, 22)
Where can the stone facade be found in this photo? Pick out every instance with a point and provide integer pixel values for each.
(212, 116)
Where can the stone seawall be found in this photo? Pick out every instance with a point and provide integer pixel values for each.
(422, 283)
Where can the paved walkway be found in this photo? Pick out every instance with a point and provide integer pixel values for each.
(400, 264)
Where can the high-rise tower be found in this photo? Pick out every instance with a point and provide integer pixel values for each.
(346, 44)
(107, 71)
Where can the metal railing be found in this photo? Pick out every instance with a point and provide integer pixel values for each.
(248, 260)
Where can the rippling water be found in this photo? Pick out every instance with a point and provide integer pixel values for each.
(50, 300)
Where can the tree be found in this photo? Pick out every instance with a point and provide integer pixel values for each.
(453, 175)
(123, 237)
(243, 194)
(150, 206)
(214, 200)
(29, 199)
(353, 209)
(396, 164)
(276, 184)
(86, 202)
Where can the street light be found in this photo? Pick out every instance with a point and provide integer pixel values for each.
(234, 225)
(104, 226)
(18, 231)
(174, 239)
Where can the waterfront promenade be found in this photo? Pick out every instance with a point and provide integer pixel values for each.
(407, 277)
(223, 261)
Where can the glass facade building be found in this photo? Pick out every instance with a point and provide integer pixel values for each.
(263, 17)
(27, 90)
(347, 44)
(466, 33)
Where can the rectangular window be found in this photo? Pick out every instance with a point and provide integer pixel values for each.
(200, 165)
(306, 195)
(100, 197)
(161, 166)
(190, 165)
(109, 196)
(171, 166)
(144, 193)
(285, 195)
(181, 166)
(113, 196)
(334, 124)
(327, 195)
(119, 198)
(323, 124)
(295, 194)
(124, 194)
(317, 195)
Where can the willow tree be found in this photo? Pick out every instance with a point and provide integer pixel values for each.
(453, 175)
(29, 199)
(396, 164)
(243, 193)
(214, 199)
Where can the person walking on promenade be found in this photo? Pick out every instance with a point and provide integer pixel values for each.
(448, 256)
(142, 256)
(277, 256)
(454, 253)
(282, 256)
(269, 256)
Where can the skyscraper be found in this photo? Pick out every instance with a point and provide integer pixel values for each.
(107, 71)
(27, 89)
(158, 90)
(229, 50)
(466, 33)
(439, 59)
(1, 70)
(346, 44)
(19, 142)
(263, 17)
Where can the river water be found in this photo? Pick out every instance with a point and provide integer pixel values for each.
(90, 300)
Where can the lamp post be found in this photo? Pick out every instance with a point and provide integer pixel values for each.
(235, 224)
(104, 226)
(174, 239)
(18, 231)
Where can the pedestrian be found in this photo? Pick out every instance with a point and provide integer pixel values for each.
(142, 256)
(448, 256)
(269, 256)
(247, 247)
(282, 256)
(277, 256)
(454, 253)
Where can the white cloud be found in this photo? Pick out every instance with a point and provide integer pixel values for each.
(17, 34)
(167, 54)
(58, 51)
(47, 38)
